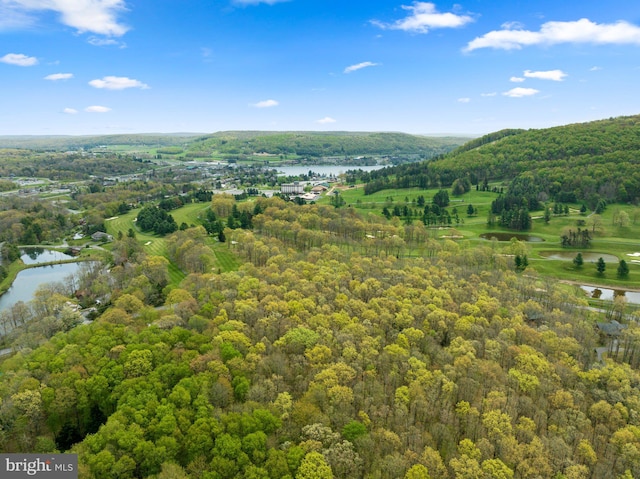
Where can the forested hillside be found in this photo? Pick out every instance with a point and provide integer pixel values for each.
(60, 143)
(318, 144)
(330, 353)
(585, 161)
(67, 166)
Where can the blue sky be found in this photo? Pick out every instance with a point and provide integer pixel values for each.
(84, 67)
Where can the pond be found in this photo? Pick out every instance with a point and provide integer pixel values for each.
(28, 281)
(502, 236)
(41, 255)
(588, 257)
(608, 294)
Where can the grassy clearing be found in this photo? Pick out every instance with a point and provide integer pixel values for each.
(152, 244)
(225, 260)
(608, 238)
(355, 197)
(157, 245)
(190, 214)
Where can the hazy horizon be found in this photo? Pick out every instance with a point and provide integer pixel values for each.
(118, 67)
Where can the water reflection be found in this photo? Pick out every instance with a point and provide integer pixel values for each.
(597, 292)
(502, 236)
(587, 256)
(41, 255)
(29, 280)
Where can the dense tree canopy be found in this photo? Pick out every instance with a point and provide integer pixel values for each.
(318, 144)
(327, 356)
(156, 220)
(587, 161)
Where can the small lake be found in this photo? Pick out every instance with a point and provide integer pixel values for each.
(41, 255)
(28, 281)
(588, 257)
(610, 294)
(502, 236)
(326, 170)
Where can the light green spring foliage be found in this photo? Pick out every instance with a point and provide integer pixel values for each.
(330, 360)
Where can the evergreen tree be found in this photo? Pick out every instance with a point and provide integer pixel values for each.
(601, 266)
(578, 261)
(518, 262)
(441, 198)
(470, 210)
(623, 269)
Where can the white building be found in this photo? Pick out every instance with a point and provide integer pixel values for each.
(295, 188)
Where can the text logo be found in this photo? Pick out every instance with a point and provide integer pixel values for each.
(45, 466)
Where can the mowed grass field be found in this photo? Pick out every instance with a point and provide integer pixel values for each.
(607, 239)
(157, 245)
(355, 197)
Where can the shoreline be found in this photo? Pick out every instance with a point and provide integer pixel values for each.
(18, 266)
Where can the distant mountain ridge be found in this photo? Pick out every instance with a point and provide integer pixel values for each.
(316, 144)
(300, 143)
(70, 142)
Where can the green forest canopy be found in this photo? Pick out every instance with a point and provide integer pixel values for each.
(584, 161)
(325, 356)
(318, 144)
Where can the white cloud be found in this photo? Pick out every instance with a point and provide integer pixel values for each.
(12, 19)
(326, 120)
(520, 92)
(464, 100)
(96, 16)
(265, 104)
(117, 83)
(512, 26)
(516, 79)
(257, 2)
(97, 109)
(106, 42)
(554, 75)
(552, 33)
(423, 17)
(595, 69)
(493, 93)
(59, 76)
(70, 111)
(19, 59)
(360, 66)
